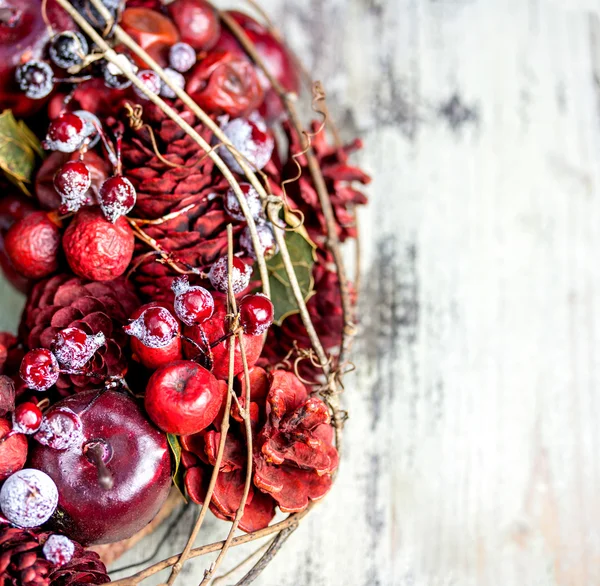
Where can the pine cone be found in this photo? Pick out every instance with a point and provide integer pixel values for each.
(22, 562)
(196, 237)
(67, 301)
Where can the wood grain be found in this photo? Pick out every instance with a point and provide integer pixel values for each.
(472, 448)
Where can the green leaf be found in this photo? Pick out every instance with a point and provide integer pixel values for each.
(18, 148)
(178, 470)
(303, 258)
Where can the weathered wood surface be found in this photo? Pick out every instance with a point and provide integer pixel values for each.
(471, 454)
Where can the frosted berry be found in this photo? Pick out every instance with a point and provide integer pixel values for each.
(96, 249)
(58, 549)
(92, 125)
(155, 327)
(232, 204)
(113, 73)
(176, 78)
(182, 57)
(39, 369)
(251, 139)
(116, 197)
(72, 182)
(151, 81)
(32, 244)
(27, 418)
(28, 498)
(35, 78)
(67, 49)
(13, 450)
(66, 133)
(193, 304)
(256, 314)
(218, 275)
(74, 348)
(268, 245)
(61, 429)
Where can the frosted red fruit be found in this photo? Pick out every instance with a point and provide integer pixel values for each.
(151, 82)
(13, 451)
(252, 141)
(32, 245)
(96, 249)
(232, 203)
(61, 429)
(240, 279)
(74, 348)
(58, 549)
(155, 327)
(197, 21)
(72, 182)
(183, 398)
(193, 304)
(27, 418)
(256, 314)
(266, 239)
(182, 57)
(66, 133)
(116, 197)
(39, 369)
(155, 357)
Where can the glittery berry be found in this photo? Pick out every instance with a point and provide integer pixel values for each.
(39, 369)
(27, 418)
(72, 182)
(256, 314)
(58, 549)
(193, 304)
(92, 125)
(35, 78)
(116, 197)
(113, 73)
(61, 429)
(74, 348)
(155, 327)
(66, 133)
(32, 244)
(151, 82)
(266, 238)
(28, 498)
(96, 249)
(252, 141)
(67, 49)
(218, 275)
(182, 57)
(232, 204)
(176, 79)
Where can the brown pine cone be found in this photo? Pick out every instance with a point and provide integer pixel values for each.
(64, 301)
(22, 562)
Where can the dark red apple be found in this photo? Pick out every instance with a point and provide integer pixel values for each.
(115, 483)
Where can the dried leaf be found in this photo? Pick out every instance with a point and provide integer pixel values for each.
(178, 471)
(18, 148)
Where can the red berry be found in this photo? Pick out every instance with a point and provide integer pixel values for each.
(256, 314)
(232, 204)
(251, 139)
(58, 550)
(155, 327)
(27, 418)
(151, 81)
(13, 450)
(116, 198)
(32, 245)
(225, 84)
(39, 369)
(74, 348)
(72, 182)
(182, 57)
(183, 398)
(66, 133)
(240, 279)
(266, 239)
(193, 305)
(96, 249)
(61, 429)
(197, 21)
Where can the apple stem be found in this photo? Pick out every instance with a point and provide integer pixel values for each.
(94, 452)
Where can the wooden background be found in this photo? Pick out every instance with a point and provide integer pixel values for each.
(472, 449)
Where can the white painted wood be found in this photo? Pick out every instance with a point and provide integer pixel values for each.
(472, 449)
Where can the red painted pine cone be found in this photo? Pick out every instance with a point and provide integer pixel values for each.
(22, 562)
(66, 301)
